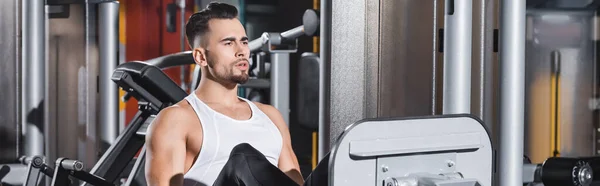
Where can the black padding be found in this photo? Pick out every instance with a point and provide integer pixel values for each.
(172, 60)
(320, 175)
(308, 91)
(154, 80)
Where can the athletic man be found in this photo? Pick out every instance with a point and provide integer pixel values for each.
(192, 142)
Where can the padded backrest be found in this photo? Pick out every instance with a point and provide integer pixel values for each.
(154, 80)
(172, 60)
(307, 98)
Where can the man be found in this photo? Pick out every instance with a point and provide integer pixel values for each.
(210, 135)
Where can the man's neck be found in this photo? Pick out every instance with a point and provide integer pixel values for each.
(211, 91)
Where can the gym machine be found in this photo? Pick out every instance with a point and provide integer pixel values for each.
(154, 91)
(407, 152)
(442, 150)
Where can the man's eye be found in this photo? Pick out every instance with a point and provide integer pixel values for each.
(245, 42)
(228, 43)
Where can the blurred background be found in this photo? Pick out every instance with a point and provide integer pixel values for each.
(383, 58)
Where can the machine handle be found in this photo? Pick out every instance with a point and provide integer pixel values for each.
(310, 27)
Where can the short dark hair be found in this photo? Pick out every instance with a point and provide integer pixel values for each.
(197, 25)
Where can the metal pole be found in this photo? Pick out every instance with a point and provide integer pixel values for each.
(108, 25)
(280, 83)
(324, 81)
(512, 87)
(457, 57)
(182, 42)
(34, 68)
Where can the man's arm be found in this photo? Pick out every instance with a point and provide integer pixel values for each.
(288, 162)
(166, 148)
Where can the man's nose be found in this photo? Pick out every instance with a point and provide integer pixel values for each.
(243, 51)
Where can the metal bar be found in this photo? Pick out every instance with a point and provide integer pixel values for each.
(260, 59)
(555, 70)
(512, 74)
(293, 33)
(33, 175)
(112, 163)
(529, 173)
(90, 178)
(280, 84)
(258, 43)
(14, 174)
(61, 175)
(182, 42)
(108, 24)
(138, 168)
(34, 63)
(434, 77)
(457, 57)
(324, 80)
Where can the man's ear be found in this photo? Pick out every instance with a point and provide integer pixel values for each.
(200, 57)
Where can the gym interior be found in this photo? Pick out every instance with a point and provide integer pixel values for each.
(378, 92)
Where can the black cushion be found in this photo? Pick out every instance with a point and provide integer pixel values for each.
(154, 80)
(307, 100)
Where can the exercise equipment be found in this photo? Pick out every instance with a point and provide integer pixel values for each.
(438, 151)
(433, 150)
(445, 150)
(307, 97)
(36, 168)
(154, 90)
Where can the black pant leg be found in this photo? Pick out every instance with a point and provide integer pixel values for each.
(319, 176)
(248, 167)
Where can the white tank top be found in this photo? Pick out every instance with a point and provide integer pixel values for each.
(221, 133)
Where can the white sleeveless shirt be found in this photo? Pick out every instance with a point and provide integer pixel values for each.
(221, 133)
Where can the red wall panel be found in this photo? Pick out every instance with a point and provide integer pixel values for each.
(147, 36)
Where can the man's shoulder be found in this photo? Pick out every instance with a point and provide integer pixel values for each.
(267, 109)
(177, 111)
(178, 117)
(272, 113)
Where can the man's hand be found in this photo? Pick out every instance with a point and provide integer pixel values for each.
(288, 162)
(166, 147)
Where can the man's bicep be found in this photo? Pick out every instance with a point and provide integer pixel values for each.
(165, 152)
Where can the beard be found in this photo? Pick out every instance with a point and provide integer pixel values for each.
(239, 79)
(229, 75)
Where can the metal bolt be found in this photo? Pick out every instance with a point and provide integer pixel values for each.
(391, 182)
(450, 163)
(384, 168)
(585, 174)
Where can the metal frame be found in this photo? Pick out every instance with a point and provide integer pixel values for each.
(324, 78)
(108, 24)
(33, 76)
(280, 83)
(128, 143)
(457, 57)
(457, 70)
(36, 169)
(66, 167)
(512, 95)
(279, 45)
